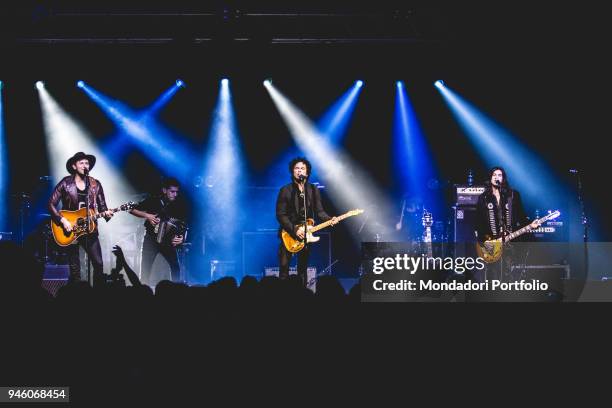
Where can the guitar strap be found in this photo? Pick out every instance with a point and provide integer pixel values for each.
(508, 210)
(503, 217)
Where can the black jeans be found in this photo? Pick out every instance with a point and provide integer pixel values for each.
(284, 257)
(150, 249)
(91, 245)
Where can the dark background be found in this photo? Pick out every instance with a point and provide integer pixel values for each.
(538, 70)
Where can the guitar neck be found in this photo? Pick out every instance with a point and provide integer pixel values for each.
(99, 215)
(328, 223)
(526, 228)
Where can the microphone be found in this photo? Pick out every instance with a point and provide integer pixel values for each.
(86, 171)
(301, 177)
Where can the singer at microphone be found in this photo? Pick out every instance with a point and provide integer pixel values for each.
(499, 212)
(297, 203)
(75, 192)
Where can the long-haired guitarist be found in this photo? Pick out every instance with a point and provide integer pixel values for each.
(74, 191)
(161, 237)
(499, 212)
(294, 201)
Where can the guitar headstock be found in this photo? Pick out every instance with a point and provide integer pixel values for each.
(356, 211)
(427, 219)
(128, 206)
(551, 216)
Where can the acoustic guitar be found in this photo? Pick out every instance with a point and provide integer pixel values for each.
(78, 220)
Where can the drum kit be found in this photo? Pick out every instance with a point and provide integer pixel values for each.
(409, 228)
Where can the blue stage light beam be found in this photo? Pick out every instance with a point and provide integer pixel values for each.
(168, 153)
(118, 144)
(164, 98)
(413, 160)
(336, 119)
(526, 170)
(335, 167)
(66, 136)
(4, 199)
(333, 124)
(224, 174)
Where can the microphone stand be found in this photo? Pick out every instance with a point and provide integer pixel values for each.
(87, 221)
(583, 220)
(305, 227)
(503, 228)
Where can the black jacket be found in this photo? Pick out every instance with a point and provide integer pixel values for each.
(66, 191)
(488, 217)
(287, 207)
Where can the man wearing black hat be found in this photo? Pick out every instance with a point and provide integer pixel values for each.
(75, 191)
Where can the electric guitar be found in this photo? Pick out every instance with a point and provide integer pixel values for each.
(295, 245)
(78, 220)
(491, 250)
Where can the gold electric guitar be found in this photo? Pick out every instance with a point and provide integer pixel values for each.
(295, 245)
(491, 250)
(79, 223)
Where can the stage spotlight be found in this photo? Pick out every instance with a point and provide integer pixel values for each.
(155, 140)
(0, 84)
(439, 83)
(335, 166)
(498, 147)
(333, 124)
(80, 84)
(180, 83)
(413, 161)
(66, 135)
(224, 175)
(40, 84)
(359, 83)
(267, 81)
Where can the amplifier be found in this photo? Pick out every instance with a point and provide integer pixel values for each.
(54, 277)
(543, 271)
(464, 238)
(6, 236)
(553, 275)
(468, 195)
(311, 275)
(260, 250)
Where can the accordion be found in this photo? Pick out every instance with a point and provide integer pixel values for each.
(166, 230)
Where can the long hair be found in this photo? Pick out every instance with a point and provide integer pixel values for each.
(505, 186)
